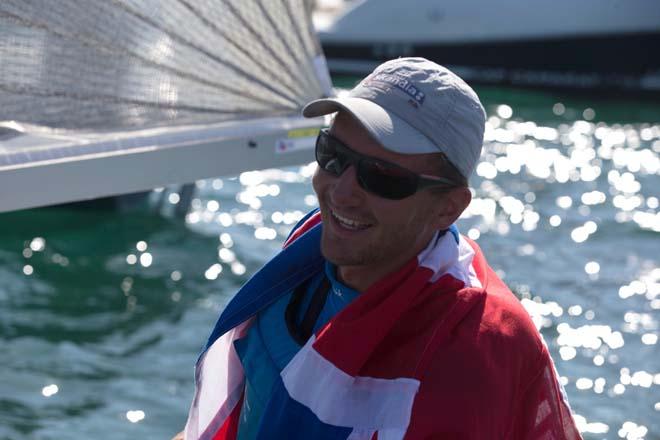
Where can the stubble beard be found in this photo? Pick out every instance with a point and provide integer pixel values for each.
(343, 253)
(396, 245)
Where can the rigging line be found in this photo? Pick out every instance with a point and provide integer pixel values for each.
(235, 44)
(294, 24)
(310, 89)
(91, 42)
(313, 37)
(309, 27)
(210, 55)
(255, 34)
(301, 40)
(23, 89)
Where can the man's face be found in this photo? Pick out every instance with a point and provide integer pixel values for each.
(365, 235)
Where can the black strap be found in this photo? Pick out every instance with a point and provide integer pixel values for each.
(301, 333)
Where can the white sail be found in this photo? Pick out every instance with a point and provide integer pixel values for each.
(115, 96)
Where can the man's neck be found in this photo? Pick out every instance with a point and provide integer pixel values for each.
(361, 277)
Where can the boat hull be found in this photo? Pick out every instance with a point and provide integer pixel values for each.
(627, 62)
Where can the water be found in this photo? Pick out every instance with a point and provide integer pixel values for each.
(102, 313)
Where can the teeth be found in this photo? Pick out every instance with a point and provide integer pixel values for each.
(348, 223)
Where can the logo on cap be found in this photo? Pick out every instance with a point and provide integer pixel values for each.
(400, 83)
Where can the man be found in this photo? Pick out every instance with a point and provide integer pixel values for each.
(378, 319)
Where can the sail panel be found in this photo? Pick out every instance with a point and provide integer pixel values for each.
(154, 62)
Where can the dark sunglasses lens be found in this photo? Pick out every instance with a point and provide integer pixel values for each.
(327, 156)
(379, 178)
(386, 181)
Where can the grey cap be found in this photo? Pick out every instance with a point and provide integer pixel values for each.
(415, 106)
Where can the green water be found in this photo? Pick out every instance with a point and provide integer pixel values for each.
(103, 312)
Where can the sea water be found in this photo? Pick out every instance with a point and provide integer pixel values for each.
(103, 312)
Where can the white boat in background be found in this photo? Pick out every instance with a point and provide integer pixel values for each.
(585, 44)
(102, 98)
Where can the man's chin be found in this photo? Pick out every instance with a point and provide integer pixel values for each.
(336, 255)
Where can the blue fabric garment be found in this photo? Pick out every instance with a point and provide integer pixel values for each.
(268, 347)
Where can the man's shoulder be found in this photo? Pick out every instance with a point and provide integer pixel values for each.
(502, 315)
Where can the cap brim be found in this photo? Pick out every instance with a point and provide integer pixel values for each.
(385, 127)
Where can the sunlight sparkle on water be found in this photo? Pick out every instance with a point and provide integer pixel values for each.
(593, 198)
(250, 178)
(636, 321)
(540, 311)
(146, 259)
(486, 170)
(642, 378)
(213, 272)
(567, 353)
(193, 217)
(575, 310)
(592, 268)
(504, 111)
(647, 220)
(264, 233)
(582, 233)
(579, 235)
(225, 219)
(250, 199)
(135, 416)
(592, 428)
(252, 218)
(226, 255)
(50, 390)
(584, 383)
(226, 240)
(589, 114)
(308, 170)
(484, 207)
(599, 385)
(311, 200)
(631, 431)
(589, 336)
(474, 234)
(238, 268)
(649, 339)
(38, 244)
(564, 202)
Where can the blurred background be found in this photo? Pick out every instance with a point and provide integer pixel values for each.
(105, 305)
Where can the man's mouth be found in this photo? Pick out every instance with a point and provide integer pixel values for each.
(349, 223)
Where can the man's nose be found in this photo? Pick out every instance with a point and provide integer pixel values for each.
(347, 190)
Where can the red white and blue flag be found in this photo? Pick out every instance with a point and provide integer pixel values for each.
(439, 348)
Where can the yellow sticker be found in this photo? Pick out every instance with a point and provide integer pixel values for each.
(303, 132)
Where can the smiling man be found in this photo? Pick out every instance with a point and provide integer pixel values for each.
(378, 319)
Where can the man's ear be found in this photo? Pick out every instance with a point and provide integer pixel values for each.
(451, 205)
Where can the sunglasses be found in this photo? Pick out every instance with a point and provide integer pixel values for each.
(379, 177)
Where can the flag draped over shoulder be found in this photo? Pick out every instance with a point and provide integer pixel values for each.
(379, 368)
